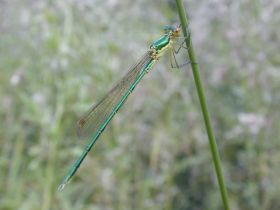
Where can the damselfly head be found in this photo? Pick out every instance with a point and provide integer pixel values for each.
(175, 30)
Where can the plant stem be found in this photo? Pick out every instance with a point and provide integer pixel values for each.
(202, 99)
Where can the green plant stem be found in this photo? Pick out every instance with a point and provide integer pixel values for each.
(202, 99)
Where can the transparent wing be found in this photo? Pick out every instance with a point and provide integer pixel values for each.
(91, 122)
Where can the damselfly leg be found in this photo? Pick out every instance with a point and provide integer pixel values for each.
(174, 52)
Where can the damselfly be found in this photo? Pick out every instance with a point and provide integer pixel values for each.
(99, 116)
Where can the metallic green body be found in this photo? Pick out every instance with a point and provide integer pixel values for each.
(161, 42)
(157, 49)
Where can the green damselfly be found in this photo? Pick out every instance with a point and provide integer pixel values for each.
(99, 116)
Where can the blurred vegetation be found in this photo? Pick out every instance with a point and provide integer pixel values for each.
(57, 58)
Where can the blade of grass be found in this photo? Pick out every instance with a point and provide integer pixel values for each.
(202, 99)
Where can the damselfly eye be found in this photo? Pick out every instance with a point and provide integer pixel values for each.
(177, 31)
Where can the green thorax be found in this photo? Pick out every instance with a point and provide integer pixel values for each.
(161, 43)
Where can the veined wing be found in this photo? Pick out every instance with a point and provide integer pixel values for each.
(91, 122)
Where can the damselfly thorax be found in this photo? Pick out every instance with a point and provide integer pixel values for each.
(165, 43)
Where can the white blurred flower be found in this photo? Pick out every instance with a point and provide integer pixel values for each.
(254, 122)
(112, 3)
(64, 48)
(107, 179)
(39, 98)
(16, 77)
(25, 17)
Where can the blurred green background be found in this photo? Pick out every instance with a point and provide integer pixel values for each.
(57, 58)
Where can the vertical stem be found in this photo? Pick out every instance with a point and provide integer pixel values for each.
(202, 99)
